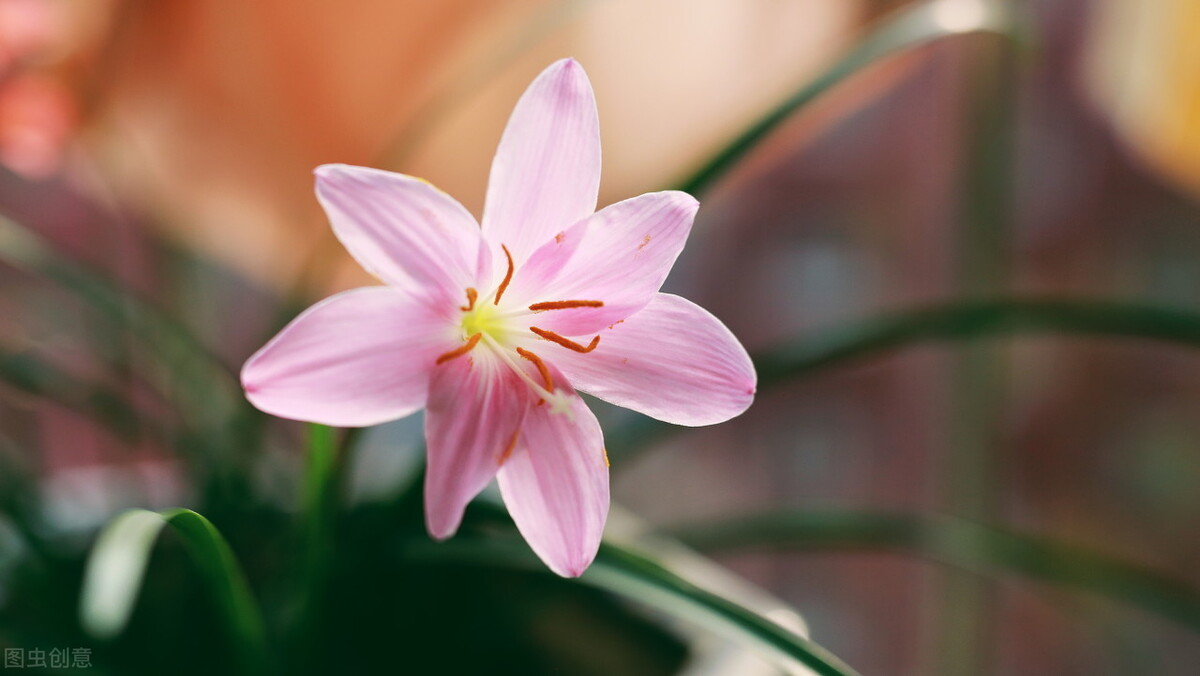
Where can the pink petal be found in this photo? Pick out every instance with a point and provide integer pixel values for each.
(546, 173)
(403, 230)
(672, 361)
(359, 358)
(620, 256)
(546, 265)
(474, 411)
(555, 485)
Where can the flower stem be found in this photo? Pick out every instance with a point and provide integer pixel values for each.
(321, 498)
(973, 473)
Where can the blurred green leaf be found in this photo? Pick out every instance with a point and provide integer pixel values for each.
(117, 567)
(639, 577)
(973, 320)
(643, 579)
(184, 358)
(954, 321)
(909, 27)
(214, 428)
(115, 571)
(31, 375)
(957, 542)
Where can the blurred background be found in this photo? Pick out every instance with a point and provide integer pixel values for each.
(157, 217)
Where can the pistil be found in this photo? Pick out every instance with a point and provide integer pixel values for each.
(559, 401)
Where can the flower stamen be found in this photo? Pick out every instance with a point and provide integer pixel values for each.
(559, 400)
(565, 342)
(565, 305)
(541, 366)
(507, 276)
(461, 349)
(472, 295)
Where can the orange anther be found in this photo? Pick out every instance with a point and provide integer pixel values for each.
(507, 276)
(565, 304)
(569, 344)
(461, 349)
(472, 295)
(541, 366)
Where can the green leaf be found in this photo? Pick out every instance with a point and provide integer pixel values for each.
(973, 320)
(31, 375)
(955, 321)
(974, 547)
(206, 382)
(641, 578)
(169, 358)
(907, 28)
(117, 567)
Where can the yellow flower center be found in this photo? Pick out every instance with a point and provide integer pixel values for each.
(483, 321)
(485, 318)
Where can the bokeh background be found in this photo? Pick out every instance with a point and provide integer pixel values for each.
(168, 147)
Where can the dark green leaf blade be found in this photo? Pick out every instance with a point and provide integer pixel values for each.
(909, 27)
(639, 577)
(957, 542)
(117, 567)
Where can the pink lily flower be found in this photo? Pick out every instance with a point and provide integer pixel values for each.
(492, 328)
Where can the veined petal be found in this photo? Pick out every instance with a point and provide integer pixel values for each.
(546, 173)
(619, 256)
(403, 230)
(672, 360)
(358, 358)
(474, 411)
(555, 485)
(544, 267)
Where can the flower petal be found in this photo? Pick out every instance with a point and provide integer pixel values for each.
(403, 230)
(555, 485)
(359, 358)
(474, 411)
(672, 361)
(546, 173)
(619, 256)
